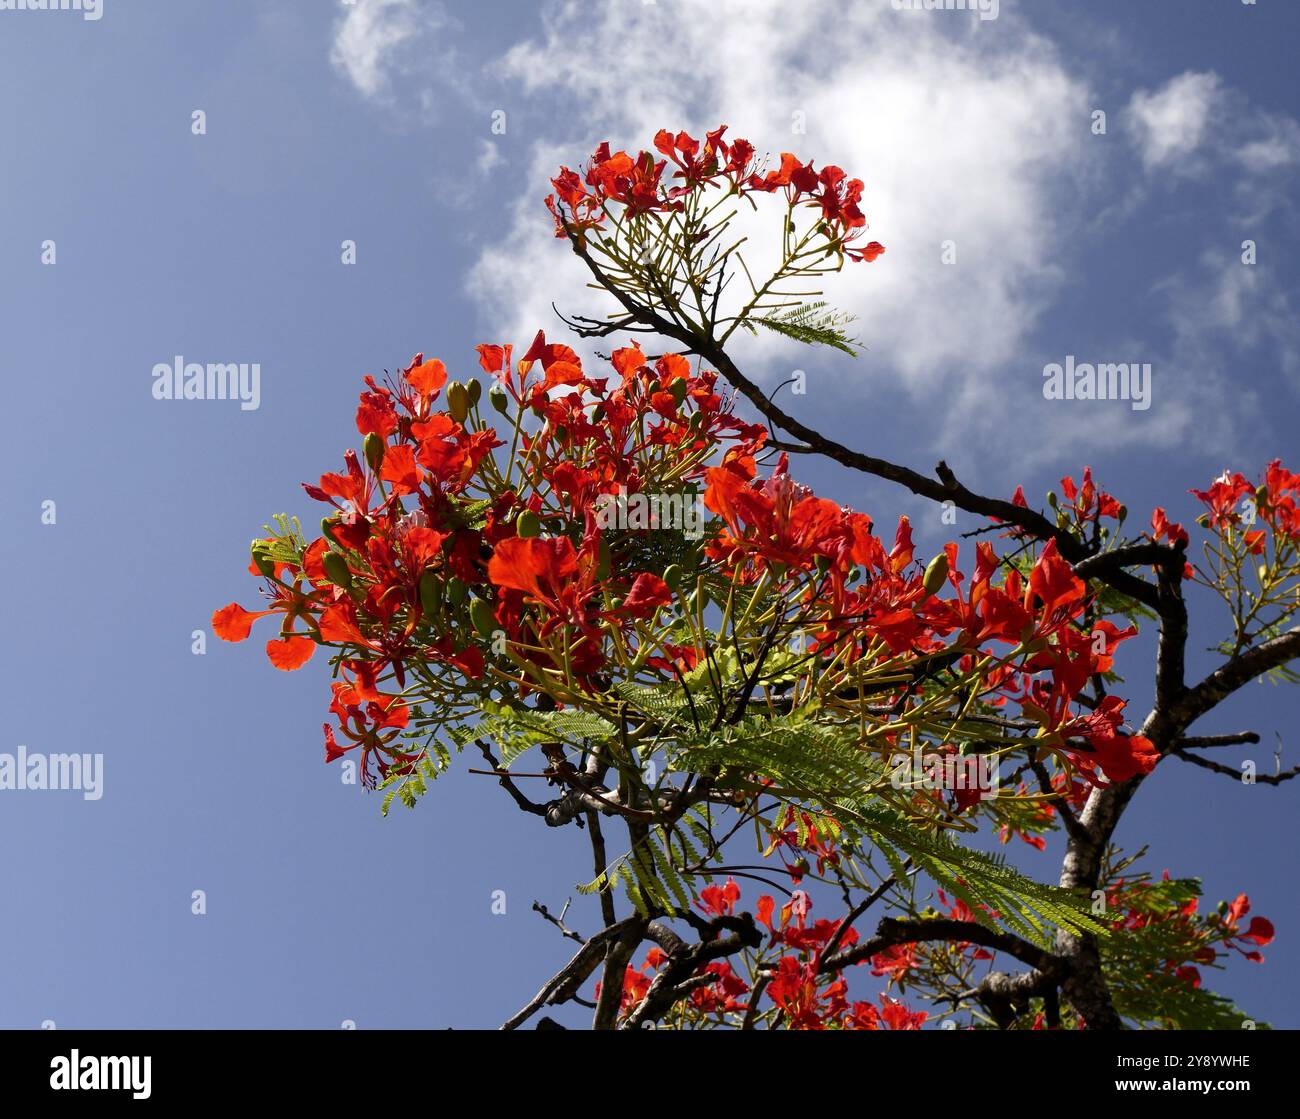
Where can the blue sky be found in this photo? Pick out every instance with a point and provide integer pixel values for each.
(374, 122)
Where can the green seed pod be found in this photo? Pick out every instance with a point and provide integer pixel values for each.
(936, 573)
(457, 592)
(673, 577)
(475, 392)
(527, 525)
(480, 613)
(678, 390)
(336, 567)
(431, 592)
(498, 399)
(458, 401)
(264, 563)
(374, 449)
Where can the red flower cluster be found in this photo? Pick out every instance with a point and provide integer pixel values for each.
(1087, 502)
(638, 185)
(779, 527)
(1207, 938)
(427, 550)
(807, 998)
(1274, 500)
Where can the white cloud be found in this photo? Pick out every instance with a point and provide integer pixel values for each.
(1171, 122)
(489, 157)
(959, 133)
(969, 131)
(378, 41)
(1277, 145)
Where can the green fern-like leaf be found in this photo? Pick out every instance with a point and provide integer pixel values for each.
(813, 324)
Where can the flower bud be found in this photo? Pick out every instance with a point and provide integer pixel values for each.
(936, 573)
(480, 613)
(1261, 497)
(374, 449)
(673, 577)
(457, 592)
(1051, 498)
(263, 562)
(678, 390)
(336, 569)
(458, 401)
(498, 399)
(430, 592)
(527, 525)
(475, 390)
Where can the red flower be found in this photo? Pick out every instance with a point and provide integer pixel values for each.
(1162, 528)
(647, 595)
(1054, 583)
(1222, 498)
(719, 900)
(538, 566)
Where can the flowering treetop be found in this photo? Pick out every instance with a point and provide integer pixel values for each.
(764, 674)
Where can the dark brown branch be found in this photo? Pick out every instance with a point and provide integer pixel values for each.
(944, 487)
(507, 784)
(617, 957)
(1205, 741)
(600, 861)
(565, 983)
(1236, 673)
(558, 922)
(866, 903)
(892, 931)
(1236, 774)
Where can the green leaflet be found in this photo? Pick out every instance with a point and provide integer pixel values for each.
(980, 879)
(649, 879)
(515, 730)
(813, 324)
